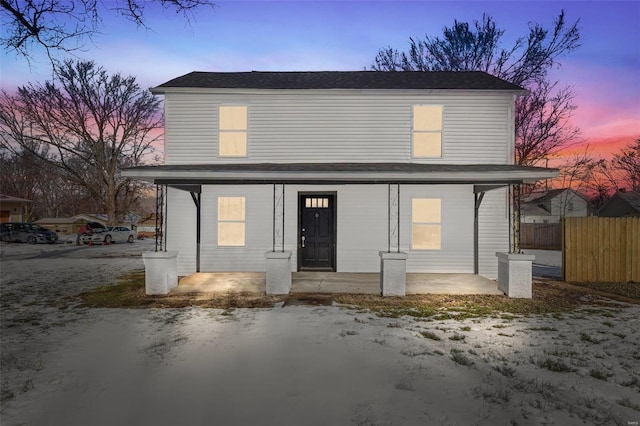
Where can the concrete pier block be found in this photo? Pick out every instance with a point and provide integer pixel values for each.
(393, 273)
(160, 271)
(278, 272)
(515, 275)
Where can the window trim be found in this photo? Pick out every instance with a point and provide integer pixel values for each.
(244, 131)
(439, 132)
(219, 221)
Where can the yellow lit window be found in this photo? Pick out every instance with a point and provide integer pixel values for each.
(427, 131)
(426, 226)
(232, 137)
(231, 221)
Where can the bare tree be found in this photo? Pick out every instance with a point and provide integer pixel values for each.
(627, 164)
(26, 175)
(89, 125)
(64, 25)
(478, 48)
(542, 122)
(542, 117)
(600, 178)
(578, 173)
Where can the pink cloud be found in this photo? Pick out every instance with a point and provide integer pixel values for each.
(608, 100)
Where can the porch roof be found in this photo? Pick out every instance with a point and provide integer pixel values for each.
(339, 173)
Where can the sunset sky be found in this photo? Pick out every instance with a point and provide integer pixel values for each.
(346, 35)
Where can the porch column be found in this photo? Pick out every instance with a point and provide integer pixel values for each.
(393, 263)
(393, 218)
(161, 207)
(478, 196)
(278, 261)
(197, 200)
(477, 201)
(278, 217)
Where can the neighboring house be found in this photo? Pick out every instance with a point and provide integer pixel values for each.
(334, 168)
(552, 205)
(62, 225)
(13, 209)
(72, 225)
(622, 204)
(129, 220)
(101, 219)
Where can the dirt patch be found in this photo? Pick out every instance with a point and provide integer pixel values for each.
(627, 292)
(309, 299)
(129, 292)
(548, 297)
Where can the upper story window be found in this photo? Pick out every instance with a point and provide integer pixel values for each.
(232, 137)
(427, 131)
(426, 224)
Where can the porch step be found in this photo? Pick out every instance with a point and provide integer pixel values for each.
(305, 299)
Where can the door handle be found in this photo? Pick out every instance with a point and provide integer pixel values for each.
(303, 238)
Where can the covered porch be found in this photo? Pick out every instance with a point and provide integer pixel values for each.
(393, 279)
(335, 282)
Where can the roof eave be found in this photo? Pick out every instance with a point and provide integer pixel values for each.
(163, 90)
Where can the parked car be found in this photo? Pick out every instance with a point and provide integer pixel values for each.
(25, 232)
(111, 234)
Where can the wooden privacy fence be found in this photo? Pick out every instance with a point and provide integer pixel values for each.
(546, 236)
(601, 249)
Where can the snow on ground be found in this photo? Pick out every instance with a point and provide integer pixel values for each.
(547, 264)
(63, 364)
(546, 257)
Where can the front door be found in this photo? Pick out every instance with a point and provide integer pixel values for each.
(316, 242)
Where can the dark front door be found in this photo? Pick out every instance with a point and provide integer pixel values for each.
(316, 244)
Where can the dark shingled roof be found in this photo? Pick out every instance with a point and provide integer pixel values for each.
(632, 198)
(460, 80)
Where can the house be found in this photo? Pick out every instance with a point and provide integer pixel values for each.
(622, 204)
(63, 225)
(129, 219)
(13, 209)
(552, 205)
(99, 218)
(364, 171)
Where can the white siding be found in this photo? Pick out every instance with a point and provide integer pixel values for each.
(338, 126)
(361, 228)
(493, 229)
(456, 254)
(258, 229)
(181, 229)
(569, 204)
(361, 224)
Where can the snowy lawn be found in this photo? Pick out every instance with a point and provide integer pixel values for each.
(65, 364)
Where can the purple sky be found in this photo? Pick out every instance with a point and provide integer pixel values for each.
(346, 35)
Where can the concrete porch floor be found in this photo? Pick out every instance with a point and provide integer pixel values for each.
(335, 282)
